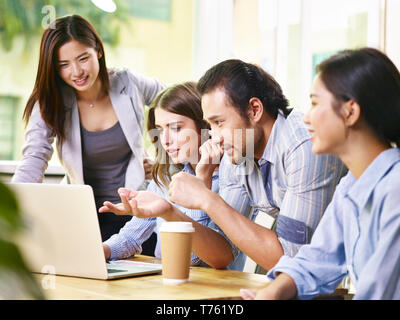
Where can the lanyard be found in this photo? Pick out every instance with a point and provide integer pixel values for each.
(271, 213)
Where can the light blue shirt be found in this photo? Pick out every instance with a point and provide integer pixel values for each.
(359, 235)
(299, 187)
(128, 241)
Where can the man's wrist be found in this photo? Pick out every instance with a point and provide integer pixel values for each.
(204, 170)
(206, 178)
(208, 201)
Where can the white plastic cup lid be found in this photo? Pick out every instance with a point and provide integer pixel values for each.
(176, 227)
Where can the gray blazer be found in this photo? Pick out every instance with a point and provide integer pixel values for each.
(129, 93)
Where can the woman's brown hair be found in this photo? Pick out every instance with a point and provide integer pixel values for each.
(182, 99)
(48, 84)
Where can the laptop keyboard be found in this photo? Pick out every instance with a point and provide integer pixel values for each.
(115, 270)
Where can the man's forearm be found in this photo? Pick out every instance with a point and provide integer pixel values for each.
(257, 242)
(208, 245)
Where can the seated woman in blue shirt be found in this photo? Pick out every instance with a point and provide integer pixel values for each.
(176, 126)
(355, 115)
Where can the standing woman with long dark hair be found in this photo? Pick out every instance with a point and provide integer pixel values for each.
(95, 114)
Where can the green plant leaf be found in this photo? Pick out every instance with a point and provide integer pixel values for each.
(10, 219)
(24, 18)
(15, 278)
(13, 271)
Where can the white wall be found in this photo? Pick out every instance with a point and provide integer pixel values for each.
(392, 30)
(212, 40)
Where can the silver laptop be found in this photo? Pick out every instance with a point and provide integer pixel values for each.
(62, 233)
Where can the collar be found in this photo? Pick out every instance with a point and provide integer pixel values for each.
(117, 79)
(361, 190)
(248, 165)
(267, 155)
(188, 168)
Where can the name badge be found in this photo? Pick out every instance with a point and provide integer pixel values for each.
(265, 219)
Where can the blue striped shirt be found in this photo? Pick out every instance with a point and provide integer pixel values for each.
(298, 184)
(128, 241)
(359, 235)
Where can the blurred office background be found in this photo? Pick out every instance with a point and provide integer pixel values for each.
(178, 40)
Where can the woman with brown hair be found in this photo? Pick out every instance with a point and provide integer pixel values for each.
(95, 114)
(177, 128)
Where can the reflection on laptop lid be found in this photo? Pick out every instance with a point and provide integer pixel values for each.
(62, 233)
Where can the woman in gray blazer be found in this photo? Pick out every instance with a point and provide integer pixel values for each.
(96, 116)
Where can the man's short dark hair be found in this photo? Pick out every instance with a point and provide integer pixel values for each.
(242, 81)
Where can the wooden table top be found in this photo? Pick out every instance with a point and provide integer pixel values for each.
(204, 283)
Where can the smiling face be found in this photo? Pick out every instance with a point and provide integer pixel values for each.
(179, 136)
(78, 65)
(327, 127)
(226, 122)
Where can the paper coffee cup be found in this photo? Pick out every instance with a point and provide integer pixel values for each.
(176, 248)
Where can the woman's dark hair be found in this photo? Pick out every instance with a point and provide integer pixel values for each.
(242, 81)
(182, 99)
(370, 78)
(48, 84)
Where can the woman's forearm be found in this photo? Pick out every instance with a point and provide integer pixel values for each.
(282, 288)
